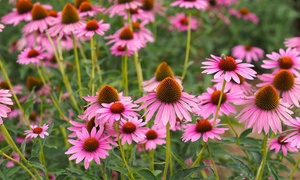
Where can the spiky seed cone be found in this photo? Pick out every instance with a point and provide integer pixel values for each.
(38, 12)
(126, 34)
(227, 64)
(267, 98)
(107, 94)
(168, 91)
(24, 6)
(215, 97)
(163, 71)
(284, 80)
(69, 14)
(77, 3)
(203, 126)
(32, 82)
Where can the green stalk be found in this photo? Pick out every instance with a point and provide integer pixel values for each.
(168, 147)
(77, 65)
(152, 160)
(219, 102)
(263, 162)
(124, 73)
(213, 163)
(42, 157)
(102, 172)
(188, 46)
(294, 169)
(234, 131)
(199, 155)
(93, 56)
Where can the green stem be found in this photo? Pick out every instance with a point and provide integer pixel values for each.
(188, 46)
(93, 56)
(213, 163)
(219, 102)
(138, 70)
(77, 64)
(199, 155)
(152, 160)
(124, 73)
(17, 162)
(42, 157)
(294, 169)
(102, 172)
(263, 162)
(168, 147)
(234, 131)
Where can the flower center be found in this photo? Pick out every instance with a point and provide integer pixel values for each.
(85, 6)
(248, 47)
(184, 21)
(38, 12)
(189, 0)
(24, 6)
(126, 34)
(203, 126)
(121, 48)
(163, 71)
(136, 26)
(147, 5)
(52, 13)
(284, 80)
(267, 98)
(133, 11)
(32, 53)
(69, 14)
(129, 127)
(4, 85)
(124, 1)
(117, 108)
(215, 97)
(151, 134)
(91, 124)
(227, 64)
(244, 11)
(77, 3)
(90, 144)
(279, 140)
(33, 116)
(91, 25)
(32, 82)
(107, 94)
(285, 62)
(212, 2)
(168, 91)
(37, 130)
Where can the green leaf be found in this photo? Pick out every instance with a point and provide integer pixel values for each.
(3, 176)
(178, 159)
(23, 146)
(184, 173)
(243, 167)
(35, 148)
(272, 171)
(119, 169)
(146, 174)
(245, 133)
(37, 165)
(12, 170)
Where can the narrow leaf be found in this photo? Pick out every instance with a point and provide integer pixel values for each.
(146, 174)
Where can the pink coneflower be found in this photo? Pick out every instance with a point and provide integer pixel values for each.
(141, 32)
(169, 101)
(154, 136)
(17, 88)
(68, 21)
(232, 86)
(294, 134)
(40, 20)
(223, 2)
(245, 14)
(179, 125)
(89, 146)
(88, 9)
(121, 51)
(198, 4)
(265, 111)
(150, 8)
(286, 84)
(289, 59)
(217, 9)
(31, 55)
(293, 42)
(36, 131)
(163, 71)
(125, 37)
(132, 129)
(1, 27)
(279, 143)
(92, 27)
(229, 68)
(135, 15)
(122, 5)
(5, 100)
(180, 22)
(247, 52)
(209, 102)
(205, 128)
(10, 163)
(115, 111)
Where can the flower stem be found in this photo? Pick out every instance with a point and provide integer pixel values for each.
(294, 169)
(219, 102)
(124, 73)
(14, 160)
(263, 162)
(42, 157)
(188, 45)
(168, 147)
(199, 155)
(213, 162)
(102, 172)
(234, 131)
(77, 64)
(152, 160)
(93, 56)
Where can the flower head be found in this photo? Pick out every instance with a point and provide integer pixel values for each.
(132, 129)
(121, 6)
(205, 128)
(293, 42)
(154, 136)
(5, 100)
(92, 27)
(294, 132)
(32, 55)
(36, 131)
(180, 22)
(89, 146)
(150, 8)
(229, 68)
(244, 14)
(121, 51)
(88, 9)
(278, 144)
(198, 4)
(247, 52)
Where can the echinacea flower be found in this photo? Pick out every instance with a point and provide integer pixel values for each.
(293, 42)
(247, 52)
(92, 27)
(122, 5)
(163, 71)
(89, 146)
(141, 32)
(244, 14)
(294, 134)
(10, 163)
(32, 56)
(289, 59)
(180, 22)
(208, 102)
(286, 84)
(169, 101)
(154, 136)
(278, 144)
(36, 131)
(198, 4)
(121, 51)
(228, 67)
(150, 8)
(88, 9)
(205, 128)
(132, 129)
(265, 111)
(17, 88)
(5, 100)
